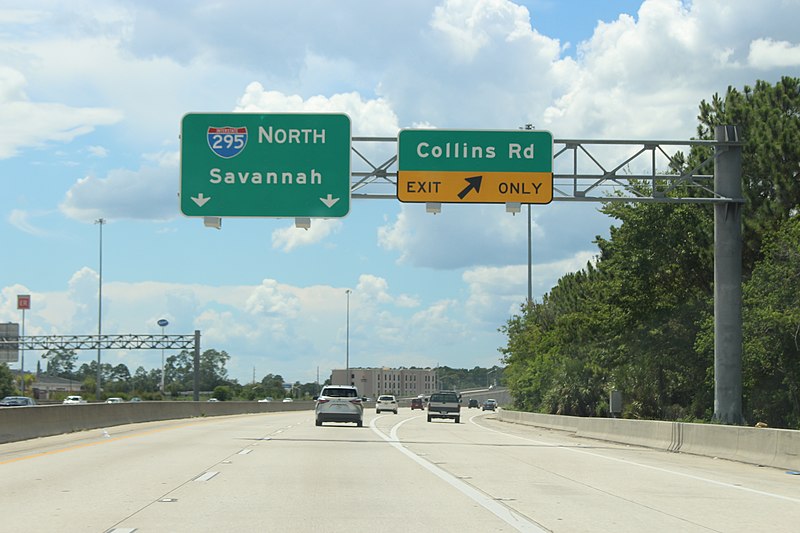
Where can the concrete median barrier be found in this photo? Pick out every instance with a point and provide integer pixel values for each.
(648, 433)
(779, 448)
(22, 423)
(558, 422)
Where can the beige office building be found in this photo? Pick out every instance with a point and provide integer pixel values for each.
(401, 382)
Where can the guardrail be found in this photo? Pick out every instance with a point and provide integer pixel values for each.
(22, 423)
(779, 448)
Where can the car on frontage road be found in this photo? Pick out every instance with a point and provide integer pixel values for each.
(17, 401)
(339, 403)
(70, 400)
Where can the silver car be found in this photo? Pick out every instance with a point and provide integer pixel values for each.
(339, 403)
(17, 401)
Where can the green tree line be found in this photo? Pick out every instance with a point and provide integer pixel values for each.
(463, 378)
(179, 378)
(639, 319)
(117, 380)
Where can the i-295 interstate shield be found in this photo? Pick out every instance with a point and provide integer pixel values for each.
(265, 165)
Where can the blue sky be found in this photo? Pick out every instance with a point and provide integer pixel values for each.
(91, 99)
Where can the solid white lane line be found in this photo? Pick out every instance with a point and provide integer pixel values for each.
(510, 517)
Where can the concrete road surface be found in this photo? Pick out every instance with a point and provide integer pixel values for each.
(399, 473)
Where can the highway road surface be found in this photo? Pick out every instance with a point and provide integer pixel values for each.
(399, 473)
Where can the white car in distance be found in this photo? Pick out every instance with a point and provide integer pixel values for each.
(386, 402)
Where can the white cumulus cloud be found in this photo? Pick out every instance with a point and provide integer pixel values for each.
(29, 124)
(769, 54)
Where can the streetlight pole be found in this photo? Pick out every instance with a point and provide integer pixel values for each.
(530, 245)
(100, 222)
(347, 337)
(164, 323)
(530, 268)
(22, 352)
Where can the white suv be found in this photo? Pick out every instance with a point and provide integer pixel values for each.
(339, 403)
(386, 402)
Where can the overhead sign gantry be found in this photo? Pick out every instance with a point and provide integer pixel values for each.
(11, 343)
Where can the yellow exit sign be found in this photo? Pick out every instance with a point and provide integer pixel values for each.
(475, 166)
(471, 187)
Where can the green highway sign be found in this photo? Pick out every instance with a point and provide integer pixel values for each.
(475, 166)
(265, 165)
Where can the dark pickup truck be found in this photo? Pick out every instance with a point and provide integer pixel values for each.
(445, 404)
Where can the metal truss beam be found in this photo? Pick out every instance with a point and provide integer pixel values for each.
(12, 345)
(103, 342)
(585, 170)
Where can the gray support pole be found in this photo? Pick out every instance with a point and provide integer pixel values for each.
(22, 354)
(98, 388)
(530, 266)
(728, 279)
(197, 365)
